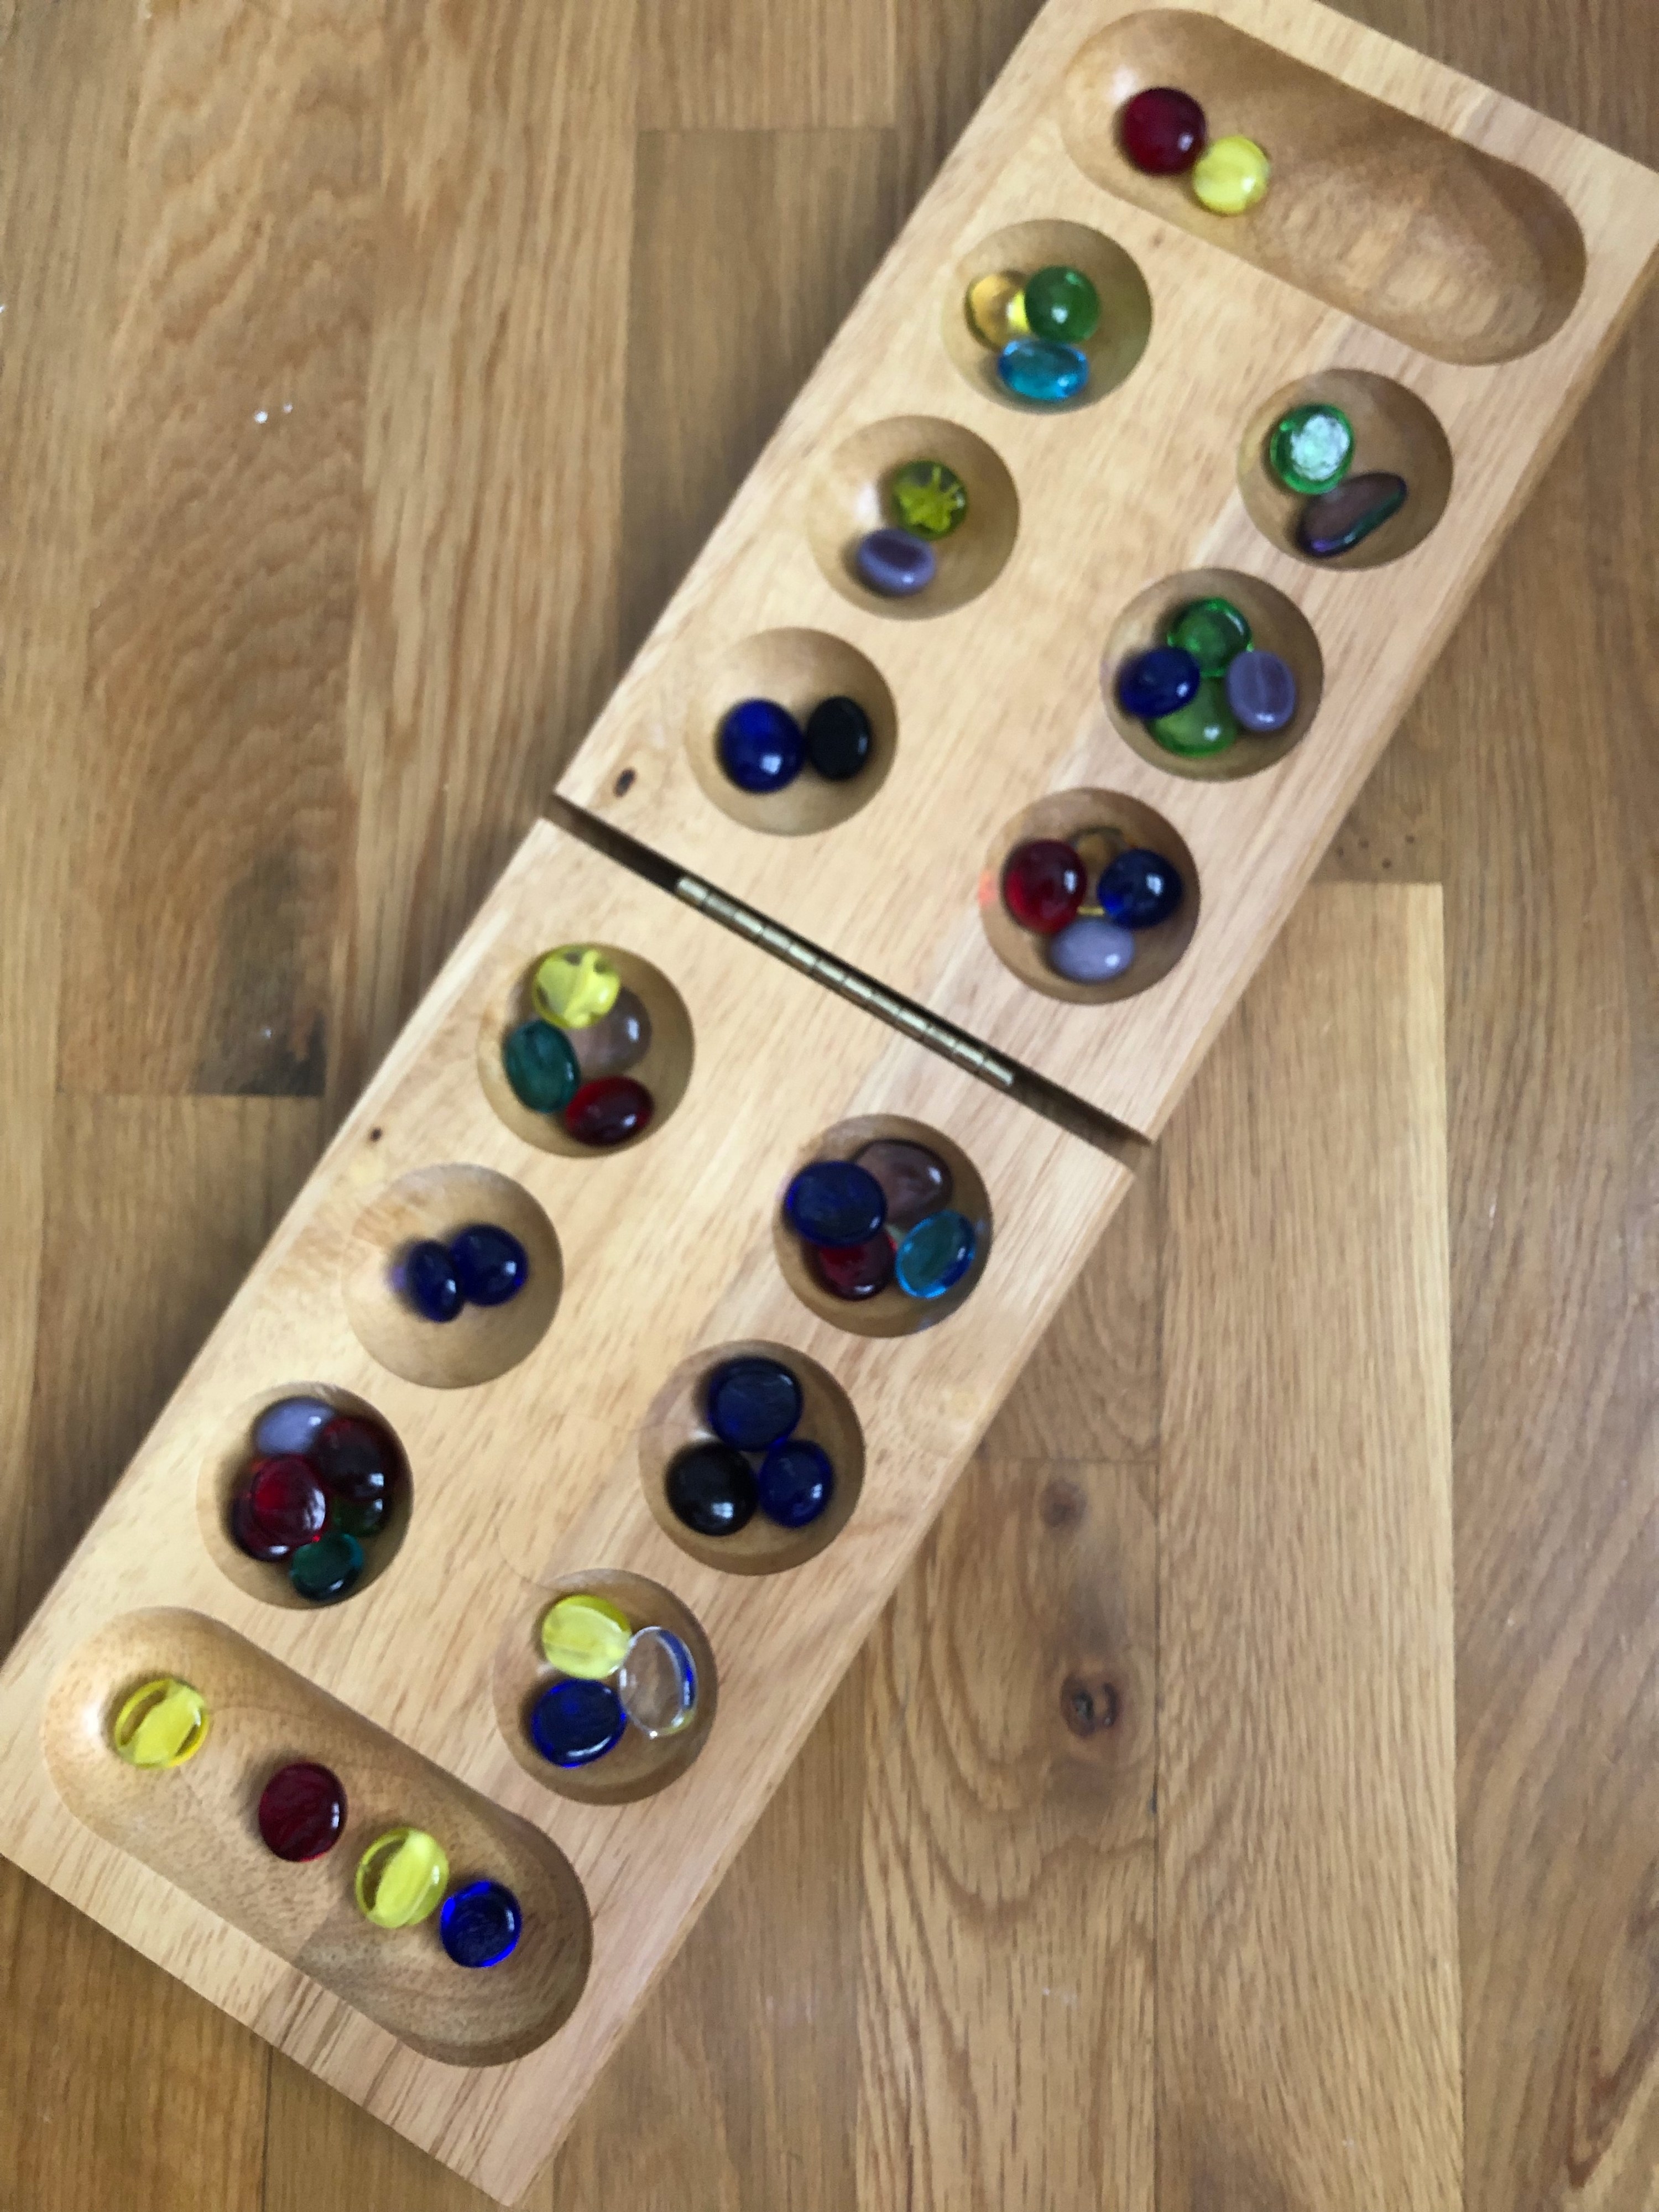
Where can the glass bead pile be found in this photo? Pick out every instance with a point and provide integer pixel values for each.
(1086, 899)
(319, 1485)
(1163, 133)
(753, 1459)
(1038, 326)
(608, 1673)
(1207, 683)
(761, 748)
(924, 501)
(484, 1265)
(1311, 451)
(882, 1219)
(571, 1059)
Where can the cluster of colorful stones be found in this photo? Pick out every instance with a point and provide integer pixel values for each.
(608, 1675)
(319, 1486)
(1038, 327)
(1311, 452)
(761, 748)
(928, 500)
(570, 1061)
(484, 1266)
(302, 1815)
(1163, 132)
(1088, 899)
(883, 1217)
(1207, 683)
(753, 1460)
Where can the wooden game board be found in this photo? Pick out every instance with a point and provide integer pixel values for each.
(668, 1250)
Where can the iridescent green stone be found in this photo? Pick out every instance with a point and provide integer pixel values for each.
(540, 1064)
(1204, 726)
(927, 498)
(1311, 448)
(1213, 631)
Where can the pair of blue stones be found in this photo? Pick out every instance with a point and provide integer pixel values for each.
(484, 1266)
(761, 748)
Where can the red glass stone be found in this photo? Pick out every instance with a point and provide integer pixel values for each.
(853, 1271)
(609, 1110)
(280, 1506)
(1162, 130)
(1042, 885)
(303, 1810)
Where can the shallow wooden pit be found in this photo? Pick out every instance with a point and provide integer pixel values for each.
(1023, 248)
(847, 498)
(797, 669)
(1395, 432)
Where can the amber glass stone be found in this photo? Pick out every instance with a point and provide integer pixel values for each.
(302, 1811)
(1042, 885)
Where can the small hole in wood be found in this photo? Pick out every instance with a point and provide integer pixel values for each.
(624, 783)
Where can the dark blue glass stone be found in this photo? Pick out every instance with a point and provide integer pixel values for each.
(1153, 684)
(572, 1723)
(753, 1403)
(836, 1202)
(711, 1490)
(480, 1926)
(796, 1483)
(897, 563)
(760, 746)
(1140, 889)
(839, 740)
(490, 1265)
(1042, 370)
(430, 1282)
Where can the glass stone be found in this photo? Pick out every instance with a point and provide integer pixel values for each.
(303, 1810)
(1337, 520)
(539, 1063)
(1311, 449)
(1042, 881)
(1262, 692)
(614, 1045)
(1162, 130)
(995, 307)
(574, 986)
(585, 1636)
(1092, 951)
(161, 1724)
(1140, 890)
(760, 746)
(753, 1403)
(608, 1111)
(573, 1724)
(855, 1271)
(1096, 849)
(400, 1877)
(480, 1924)
(1231, 176)
(1042, 372)
(895, 563)
(361, 1467)
(711, 1490)
(939, 1252)
(290, 1426)
(282, 1505)
(1062, 303)
(913, 1181)
(796, 1482)
(839, 740)
(1203, 727)
(490, 1264)
(324, 1572)
(835, 1202)
(1161, 681)
(659, 1683)
(427, 1279)
(927, 498)
(1212, 631)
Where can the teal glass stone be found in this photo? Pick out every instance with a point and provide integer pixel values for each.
(541, 1066)
(1042, 372)
(327, 1570)
(935, 1255)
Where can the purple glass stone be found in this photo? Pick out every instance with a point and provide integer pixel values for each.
(1262, 691)
(1335, 521)
(895, 563)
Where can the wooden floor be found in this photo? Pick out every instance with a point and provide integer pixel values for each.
(368, 374)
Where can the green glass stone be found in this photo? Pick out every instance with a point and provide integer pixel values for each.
(1205, 726)
(1311, 448)
(324, 1572)
(1062, 303)
(541, 1066)
(1213, 631)
(927, 498)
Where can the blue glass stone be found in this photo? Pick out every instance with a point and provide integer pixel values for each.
(753, 1403)
(1158, 683)
(896, 562)
(711, 1490)
(835, 1202)
(539, 1061)
(1042, 370)
(1091, 950)
(1262, 691)
(480, 1926)
(839, 740)
(572, 1723)
(760, 746)
(937, 1254)
(490, 1265)
(1139, 889)
(797, 1481)
(290, 1426)
(429, 1281)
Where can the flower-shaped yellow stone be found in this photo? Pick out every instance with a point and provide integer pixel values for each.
(401, 1877)
(585, 1636)
(1231, 175)
(574, 986)
(162, 1725)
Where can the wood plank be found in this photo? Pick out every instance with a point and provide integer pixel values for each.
(751, 65)
(1307, 1953)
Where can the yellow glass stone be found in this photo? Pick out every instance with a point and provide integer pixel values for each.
(1231, 175)
(585, 1636)
(574, 986)
(401, 1877)
(996, 308)
(1096, 849)
(162, 1725)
